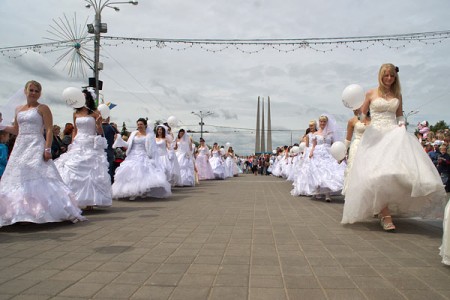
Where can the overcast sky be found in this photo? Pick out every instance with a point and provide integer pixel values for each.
(160, 82)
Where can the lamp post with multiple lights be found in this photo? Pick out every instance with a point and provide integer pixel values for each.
(96, 29)
(407, 115)
(202, 115)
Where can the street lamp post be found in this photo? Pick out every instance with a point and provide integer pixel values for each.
(407, 115)
(202, 115)
(97, 28)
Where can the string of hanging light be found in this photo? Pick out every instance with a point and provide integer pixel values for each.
(249, 46)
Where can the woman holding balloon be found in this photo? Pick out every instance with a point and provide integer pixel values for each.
(391, 174)
(84, 167)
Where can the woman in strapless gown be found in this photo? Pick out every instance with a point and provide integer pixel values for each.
(183, 151)
(391, 174)
(321, 173)
(84, 167)
(138, 175)
(217, 163)
(355, 131)
(205, 172)
(31, 189)
(162, 158)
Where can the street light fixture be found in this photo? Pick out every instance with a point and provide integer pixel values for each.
(96, 29)
(407, 115)
(202, 115)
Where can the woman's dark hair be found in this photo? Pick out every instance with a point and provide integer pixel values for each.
(180, 131)
(163, 131)
(167, 125)
(143, 121)
(68, 129)
(90, 102)
(308, 130)
(202, 140)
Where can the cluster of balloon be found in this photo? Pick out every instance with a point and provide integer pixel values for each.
(353, 96)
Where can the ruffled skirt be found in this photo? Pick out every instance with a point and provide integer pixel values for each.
(391, 169)
(138, 176)
(84, 168)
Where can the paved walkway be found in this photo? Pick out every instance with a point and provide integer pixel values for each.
(243, 238)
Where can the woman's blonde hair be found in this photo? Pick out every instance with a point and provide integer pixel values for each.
(33, 82)
(323, 118)
(395, 87)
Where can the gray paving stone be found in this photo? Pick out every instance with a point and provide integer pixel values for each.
(259, 243)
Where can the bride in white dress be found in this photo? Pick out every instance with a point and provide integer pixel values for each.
(217, 163)
(162, 155)
(138, 175)
(321, 174)
(391, 174)
(355, 131)
(31, 189)
(84, 167)
(183, 148)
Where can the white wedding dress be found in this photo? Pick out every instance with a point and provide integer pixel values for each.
(358, 132)
(31, 189)
(391, 169)
(138, 175)
(84, 167)
(217, 164)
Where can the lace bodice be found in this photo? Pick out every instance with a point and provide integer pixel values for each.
(323, 140)
(359, 130)
(30, 122)
(85, 126)
(383, 112)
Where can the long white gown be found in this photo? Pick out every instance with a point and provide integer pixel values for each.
(185, 162)
(31, 189)
(164, 161)
(445, 247)
(138, 175)
(321, 173)
(391, 169)
(358, 132)
(217, 164)
(84, 167)
(204, 169)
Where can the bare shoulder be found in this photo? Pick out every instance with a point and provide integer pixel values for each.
(43, 108)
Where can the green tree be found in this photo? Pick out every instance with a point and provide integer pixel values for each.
(124, 130)
(439, 125)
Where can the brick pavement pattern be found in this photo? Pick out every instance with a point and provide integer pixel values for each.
(242, 238)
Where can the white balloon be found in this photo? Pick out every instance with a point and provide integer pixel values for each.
(274, 151)
(295, 149)
(302, 146)
(353, 96)
(74, 97)
(222, 151)
(338, 150)
(172, 121)
(104, 110)
(228, 144)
